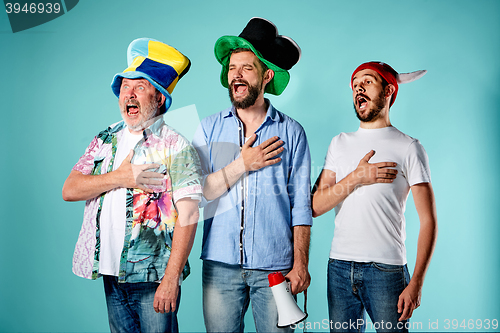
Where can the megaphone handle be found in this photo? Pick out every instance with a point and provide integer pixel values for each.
(305, 309)
(305, 301)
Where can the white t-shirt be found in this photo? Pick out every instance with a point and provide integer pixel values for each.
(112, 227)
(370, 222)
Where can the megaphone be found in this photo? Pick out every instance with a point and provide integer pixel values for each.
(288, 311)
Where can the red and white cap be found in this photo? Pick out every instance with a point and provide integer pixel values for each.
(390, 75)
(275, 279)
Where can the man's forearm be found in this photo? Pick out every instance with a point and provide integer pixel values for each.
(301, 241)
(409, 299)
(425, 248)
(423, 197)
(79, 187)
(184, 231)
(215, 183)
(299, 275)
(183, 239)
(84, 187)
(327, 197)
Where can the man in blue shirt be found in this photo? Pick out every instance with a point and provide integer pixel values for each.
(256, 164)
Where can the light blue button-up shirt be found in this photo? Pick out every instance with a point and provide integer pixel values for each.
(250, 225)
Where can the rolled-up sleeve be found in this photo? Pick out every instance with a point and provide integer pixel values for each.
(86, 163)
(300, 181)
(185, 174)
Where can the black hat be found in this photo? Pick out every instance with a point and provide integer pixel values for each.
(279, 53)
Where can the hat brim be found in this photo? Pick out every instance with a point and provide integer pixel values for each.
(223, 48)
(117, 83)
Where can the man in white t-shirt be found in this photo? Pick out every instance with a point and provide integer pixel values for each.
(367, 177)
(139, 225)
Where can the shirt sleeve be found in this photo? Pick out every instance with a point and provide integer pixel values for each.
(185, 174)
(300, 179)
(201, 146)
(86, 163)
(329, 160)
(417, 164)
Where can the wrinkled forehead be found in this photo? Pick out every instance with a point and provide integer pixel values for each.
(367, 72)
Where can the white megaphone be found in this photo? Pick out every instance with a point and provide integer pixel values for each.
(288, 311)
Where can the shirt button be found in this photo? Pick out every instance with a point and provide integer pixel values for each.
(241, 228)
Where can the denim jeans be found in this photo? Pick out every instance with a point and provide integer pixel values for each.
(354, 287)
(130, 307)
(227, 292)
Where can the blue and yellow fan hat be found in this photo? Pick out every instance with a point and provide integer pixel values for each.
(160, 64)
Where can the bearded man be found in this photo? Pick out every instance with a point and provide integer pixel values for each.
(256, 164)
(367, 268)
(139, 225)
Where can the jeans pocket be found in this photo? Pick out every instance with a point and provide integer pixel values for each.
(387, 267)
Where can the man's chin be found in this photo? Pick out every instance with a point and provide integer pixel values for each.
(143, 125)
(134, 126)
(363, 116)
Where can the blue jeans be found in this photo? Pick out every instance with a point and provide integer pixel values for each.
(130, 307)
(354, 287)
(227, 292)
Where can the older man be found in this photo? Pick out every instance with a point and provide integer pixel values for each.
(139, 225)
(367, 177)
(257, 166)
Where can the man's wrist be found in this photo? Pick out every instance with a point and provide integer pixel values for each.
(171, 275)
(353, 180)
(228, 187)
(115, 179)
(416, 281)
(300, 261)
(240, 165)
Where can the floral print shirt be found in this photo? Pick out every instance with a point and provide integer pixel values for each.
(150, 217)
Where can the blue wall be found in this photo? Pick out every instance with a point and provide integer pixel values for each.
(55, 96)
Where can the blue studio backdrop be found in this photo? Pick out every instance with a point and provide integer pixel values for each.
(56, 95)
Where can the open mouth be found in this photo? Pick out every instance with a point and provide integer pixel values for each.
(239, 87)
(132, 108)
(362, 101)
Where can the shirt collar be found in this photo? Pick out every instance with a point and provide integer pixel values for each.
(270, 114)
(155, 128)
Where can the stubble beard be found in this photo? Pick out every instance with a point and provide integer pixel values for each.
(148, 111)
(373, 113)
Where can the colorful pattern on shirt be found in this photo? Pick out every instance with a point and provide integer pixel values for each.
(150, 217)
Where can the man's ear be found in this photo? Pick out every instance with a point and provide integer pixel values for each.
(389, 90)
(161, 99)
(268, 76)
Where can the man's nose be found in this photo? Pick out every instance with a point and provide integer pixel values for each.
(237, 73)
(131, 93)
(360, 88)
